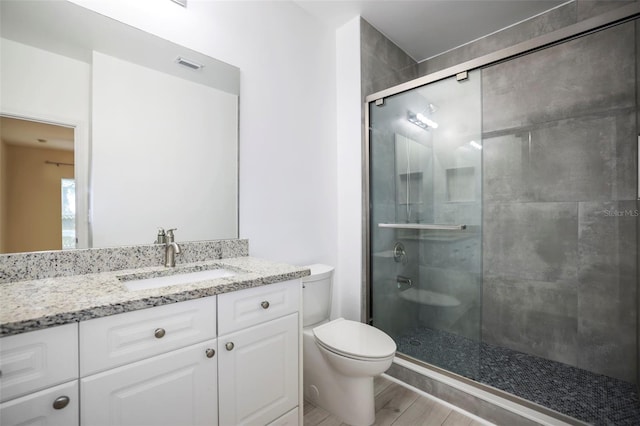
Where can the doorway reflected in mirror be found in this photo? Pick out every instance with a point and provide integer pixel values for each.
(37, 186)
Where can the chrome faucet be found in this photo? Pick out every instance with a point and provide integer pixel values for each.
(171, 249)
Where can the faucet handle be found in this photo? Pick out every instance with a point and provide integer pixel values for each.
(170, 236)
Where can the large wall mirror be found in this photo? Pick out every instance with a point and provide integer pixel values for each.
(109, 133)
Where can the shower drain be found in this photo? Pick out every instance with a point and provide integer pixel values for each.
(415, 342)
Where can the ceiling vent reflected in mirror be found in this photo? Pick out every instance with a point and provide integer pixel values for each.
(189, 64)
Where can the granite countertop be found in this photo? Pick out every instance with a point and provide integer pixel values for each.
(36, 304)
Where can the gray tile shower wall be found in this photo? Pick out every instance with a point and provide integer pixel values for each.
(559, 180)
(536, 317)
(52, 264)
(531, 241)
(382, 63)
(385, 65)
(573, 79)
(607, 287)
(555, 19)
(537, 26)
(589, 8)
(530, 165)
(638, 227)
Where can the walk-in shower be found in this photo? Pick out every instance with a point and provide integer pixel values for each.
(503, 222)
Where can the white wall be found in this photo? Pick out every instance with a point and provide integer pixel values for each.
(287, 113)
(349, 170)
(166, 138)
(33, 80)
(41, 85)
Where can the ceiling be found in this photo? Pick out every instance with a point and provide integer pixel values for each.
(31, 134)
(425, 28)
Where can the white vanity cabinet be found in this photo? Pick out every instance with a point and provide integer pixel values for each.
(154, 366)
(258, 347)
(39, 377)
(231, 359)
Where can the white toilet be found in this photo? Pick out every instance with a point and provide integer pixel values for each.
(341, 357)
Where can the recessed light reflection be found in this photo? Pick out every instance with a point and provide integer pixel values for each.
(421, 120)
(475, 144)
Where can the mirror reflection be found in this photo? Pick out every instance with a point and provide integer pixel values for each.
(38, 179)
(150, 141)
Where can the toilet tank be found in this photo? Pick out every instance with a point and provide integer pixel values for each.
(316, 294)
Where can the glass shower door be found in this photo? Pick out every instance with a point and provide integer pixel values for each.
(425, 218)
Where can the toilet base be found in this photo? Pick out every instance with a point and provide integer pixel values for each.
(349, 398)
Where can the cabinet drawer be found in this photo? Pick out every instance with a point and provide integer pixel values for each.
(245, 308)
(38, 359)
(120, 339)
(37, 408)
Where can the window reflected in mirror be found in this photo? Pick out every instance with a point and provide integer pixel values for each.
(68, 192)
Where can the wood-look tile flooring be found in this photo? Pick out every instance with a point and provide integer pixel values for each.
(398, 406)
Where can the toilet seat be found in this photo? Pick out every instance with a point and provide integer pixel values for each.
(354, 340)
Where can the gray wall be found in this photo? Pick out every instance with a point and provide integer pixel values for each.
(570, 293)
(555, 19)
(638, 203)
(559, 168)
(382, 63)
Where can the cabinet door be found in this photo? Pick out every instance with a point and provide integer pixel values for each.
(289, 419)
(176, 388)
(38, 408)
(258, 372)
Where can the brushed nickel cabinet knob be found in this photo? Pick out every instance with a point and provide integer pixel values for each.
(229, 346)
(60, 402)
(159, 333)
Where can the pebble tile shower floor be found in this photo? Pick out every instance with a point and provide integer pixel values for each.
(578, 393)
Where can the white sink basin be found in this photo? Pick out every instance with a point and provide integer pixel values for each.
(175, 279)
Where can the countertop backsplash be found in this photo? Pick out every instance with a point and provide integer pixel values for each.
(63, 263)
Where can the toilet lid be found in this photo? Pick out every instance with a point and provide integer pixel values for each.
(354, 339)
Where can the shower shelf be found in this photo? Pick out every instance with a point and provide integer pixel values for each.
(422, 226)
